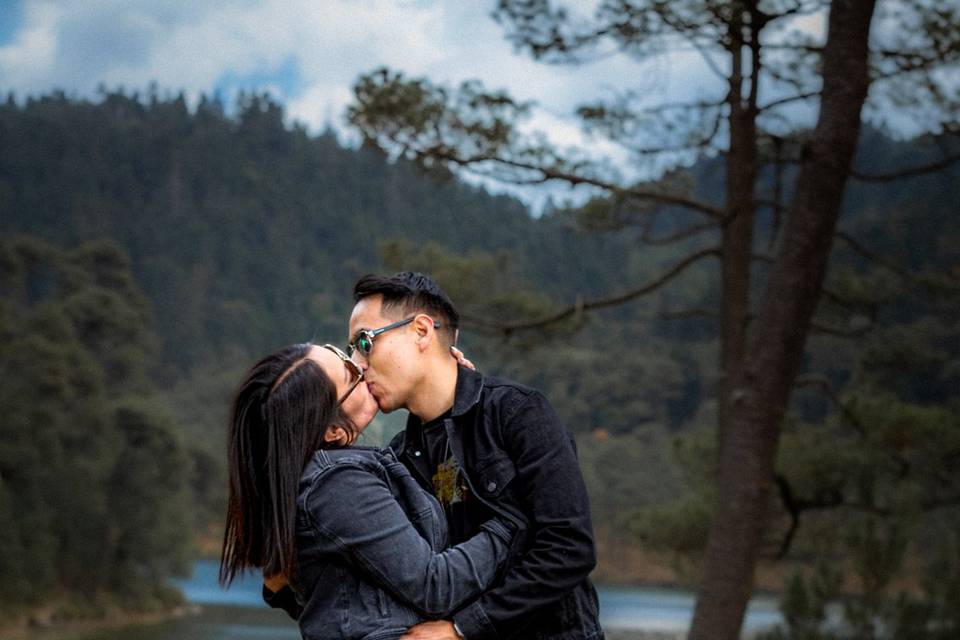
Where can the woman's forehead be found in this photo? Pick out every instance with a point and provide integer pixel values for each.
(329, 362)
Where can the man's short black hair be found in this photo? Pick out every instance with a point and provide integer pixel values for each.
(408, 292)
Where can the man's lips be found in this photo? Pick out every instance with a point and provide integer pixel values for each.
(372, 388)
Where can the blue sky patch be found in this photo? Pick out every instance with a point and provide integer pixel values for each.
(11, 19)
(288, 78)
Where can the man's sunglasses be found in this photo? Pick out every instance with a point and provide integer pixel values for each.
(363, 341)
(351, 366)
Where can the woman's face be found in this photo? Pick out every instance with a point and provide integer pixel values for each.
(360, 406)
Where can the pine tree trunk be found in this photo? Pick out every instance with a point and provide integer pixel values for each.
(736, 231)
(778, 335)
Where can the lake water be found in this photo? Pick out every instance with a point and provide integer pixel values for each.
(240, 614)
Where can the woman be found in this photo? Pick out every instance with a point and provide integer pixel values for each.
(359, 542)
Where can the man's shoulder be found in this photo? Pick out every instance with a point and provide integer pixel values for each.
(500, 388)
(507, 399)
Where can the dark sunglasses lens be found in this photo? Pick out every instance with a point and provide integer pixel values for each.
(364, 345)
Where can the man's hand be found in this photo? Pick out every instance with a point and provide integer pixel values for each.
(436, 630)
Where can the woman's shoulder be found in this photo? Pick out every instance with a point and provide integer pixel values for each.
(335, 481)
(325, 463)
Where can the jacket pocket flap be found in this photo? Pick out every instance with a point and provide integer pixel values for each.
(495, 474)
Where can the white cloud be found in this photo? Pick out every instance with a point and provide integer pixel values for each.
(31, 55)
(192, 45)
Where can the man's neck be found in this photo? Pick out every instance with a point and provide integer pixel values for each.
(435, 394)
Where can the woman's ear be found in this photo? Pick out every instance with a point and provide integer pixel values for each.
(337, 435)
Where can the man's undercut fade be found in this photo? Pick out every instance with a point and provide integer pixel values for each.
(407, 293)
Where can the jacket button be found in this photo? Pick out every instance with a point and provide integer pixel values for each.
(416, 453)
(491, 486)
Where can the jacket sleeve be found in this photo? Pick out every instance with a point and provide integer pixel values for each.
(354, 509)
(560, 551)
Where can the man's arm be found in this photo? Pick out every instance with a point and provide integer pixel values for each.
(561, 552)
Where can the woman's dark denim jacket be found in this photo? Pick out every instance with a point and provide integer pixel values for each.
(370, 547)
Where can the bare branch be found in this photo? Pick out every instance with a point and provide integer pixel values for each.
(573, 179)
(947, 283)
(823, 385)
(822, 329)
(832, 498)
(677, 106)
(799, 9)
(933, 167)
(789, 503)
(677, 236)
(612, 301)
(826, 499)
(782, 101)
(840, 301)
(701, 142)
(873, 256)
(762, 257)
(940, 503)
(777, 192)
(708, 59)
(698, 312)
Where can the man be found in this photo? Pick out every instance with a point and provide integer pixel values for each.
(483, 446)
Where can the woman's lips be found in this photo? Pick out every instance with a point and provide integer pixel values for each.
(373, 394)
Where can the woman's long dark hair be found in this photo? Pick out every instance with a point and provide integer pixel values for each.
(281, 411)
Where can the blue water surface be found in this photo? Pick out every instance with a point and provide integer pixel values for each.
(629, 608)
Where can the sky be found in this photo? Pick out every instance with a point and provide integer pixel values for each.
(308, 53)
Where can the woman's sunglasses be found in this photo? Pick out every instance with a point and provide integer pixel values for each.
(351, 366)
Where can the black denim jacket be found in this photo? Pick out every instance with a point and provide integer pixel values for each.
(369, 548)
(521, 463)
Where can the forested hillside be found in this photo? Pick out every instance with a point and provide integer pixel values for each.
(244, 234)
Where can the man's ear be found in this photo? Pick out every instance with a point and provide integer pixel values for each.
(423, 325)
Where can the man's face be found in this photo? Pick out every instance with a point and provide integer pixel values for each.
(392, 369)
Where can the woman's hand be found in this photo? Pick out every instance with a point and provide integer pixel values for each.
(461, 359)
(436, 630)
(275, 583)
